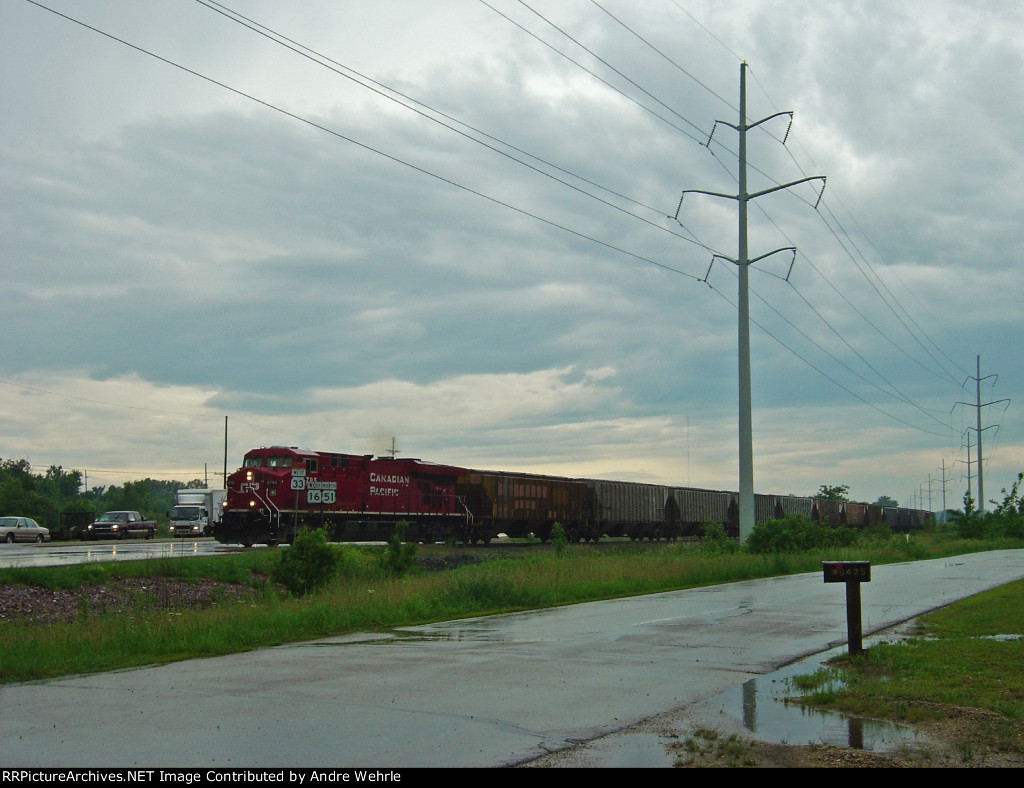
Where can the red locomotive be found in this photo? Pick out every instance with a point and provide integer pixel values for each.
(281, 489)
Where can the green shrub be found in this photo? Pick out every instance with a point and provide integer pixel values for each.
(1015, 527)
(483, 592)
(398, 558)
(558, 538)
(713, 538)
(309, 564)
(796, 532)
(357, 563)
(878, 532)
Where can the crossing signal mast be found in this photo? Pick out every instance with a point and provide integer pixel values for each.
(743, 262)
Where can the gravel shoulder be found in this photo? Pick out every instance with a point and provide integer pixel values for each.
(33, 605)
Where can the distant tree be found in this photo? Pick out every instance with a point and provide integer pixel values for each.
(17, 497)
(1011, 503)
(44, 497)
(20, 495)
(886, 501)
(15, 469)
(838, 492)
(64, 486)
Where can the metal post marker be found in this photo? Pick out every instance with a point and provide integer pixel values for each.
(853, 573)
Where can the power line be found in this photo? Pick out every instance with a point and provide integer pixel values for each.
(821, 372)
(404, 100)
(891, 299)
(162, 411)
(908, 316)
(307, 52)
(666, 57)
(463, 187)
(370, 148)
(625, 95)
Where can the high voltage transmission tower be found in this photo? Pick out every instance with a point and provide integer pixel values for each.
(978, 404)
(743, 262)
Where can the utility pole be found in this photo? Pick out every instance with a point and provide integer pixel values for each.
(743, 262)
(944, 487)
(969, 464)
(225, 452)
(978, 405)
(929, 492)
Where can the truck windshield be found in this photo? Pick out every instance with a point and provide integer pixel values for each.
(185, 513)
(112, 517)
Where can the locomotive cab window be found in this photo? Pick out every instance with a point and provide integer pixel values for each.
(253, 462)
(311, 465)
(279, 462)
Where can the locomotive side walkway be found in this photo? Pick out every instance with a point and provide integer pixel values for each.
(489, 691)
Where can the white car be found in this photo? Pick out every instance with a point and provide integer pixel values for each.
(22, 529)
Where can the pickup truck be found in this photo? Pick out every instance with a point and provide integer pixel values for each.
(119, 525)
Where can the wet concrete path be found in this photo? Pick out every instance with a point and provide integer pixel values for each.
(500, 690)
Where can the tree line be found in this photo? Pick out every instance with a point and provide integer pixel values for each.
(45, 496)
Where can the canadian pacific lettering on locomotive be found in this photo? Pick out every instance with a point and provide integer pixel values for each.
(377, 477)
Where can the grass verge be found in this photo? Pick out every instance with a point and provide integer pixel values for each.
(366, 599)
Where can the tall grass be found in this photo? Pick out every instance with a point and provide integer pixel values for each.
(364, 597)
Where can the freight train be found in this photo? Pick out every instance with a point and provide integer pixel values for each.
(280, 490)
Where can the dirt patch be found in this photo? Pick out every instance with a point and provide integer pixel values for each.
(962, 739)
(761, 755)
(33, 605)
(443, 561)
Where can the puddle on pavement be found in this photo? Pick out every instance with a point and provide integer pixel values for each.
(754, 710)
(759, 706)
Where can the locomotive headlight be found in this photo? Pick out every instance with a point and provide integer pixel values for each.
(252, 504)
(248, 476)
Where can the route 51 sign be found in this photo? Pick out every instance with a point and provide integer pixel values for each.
(321, 496)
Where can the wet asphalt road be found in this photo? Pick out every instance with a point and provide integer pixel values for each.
(65, 553)
(494, 691)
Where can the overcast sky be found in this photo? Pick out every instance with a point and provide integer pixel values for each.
(457, 224)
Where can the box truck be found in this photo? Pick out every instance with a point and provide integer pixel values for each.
(195, 513)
